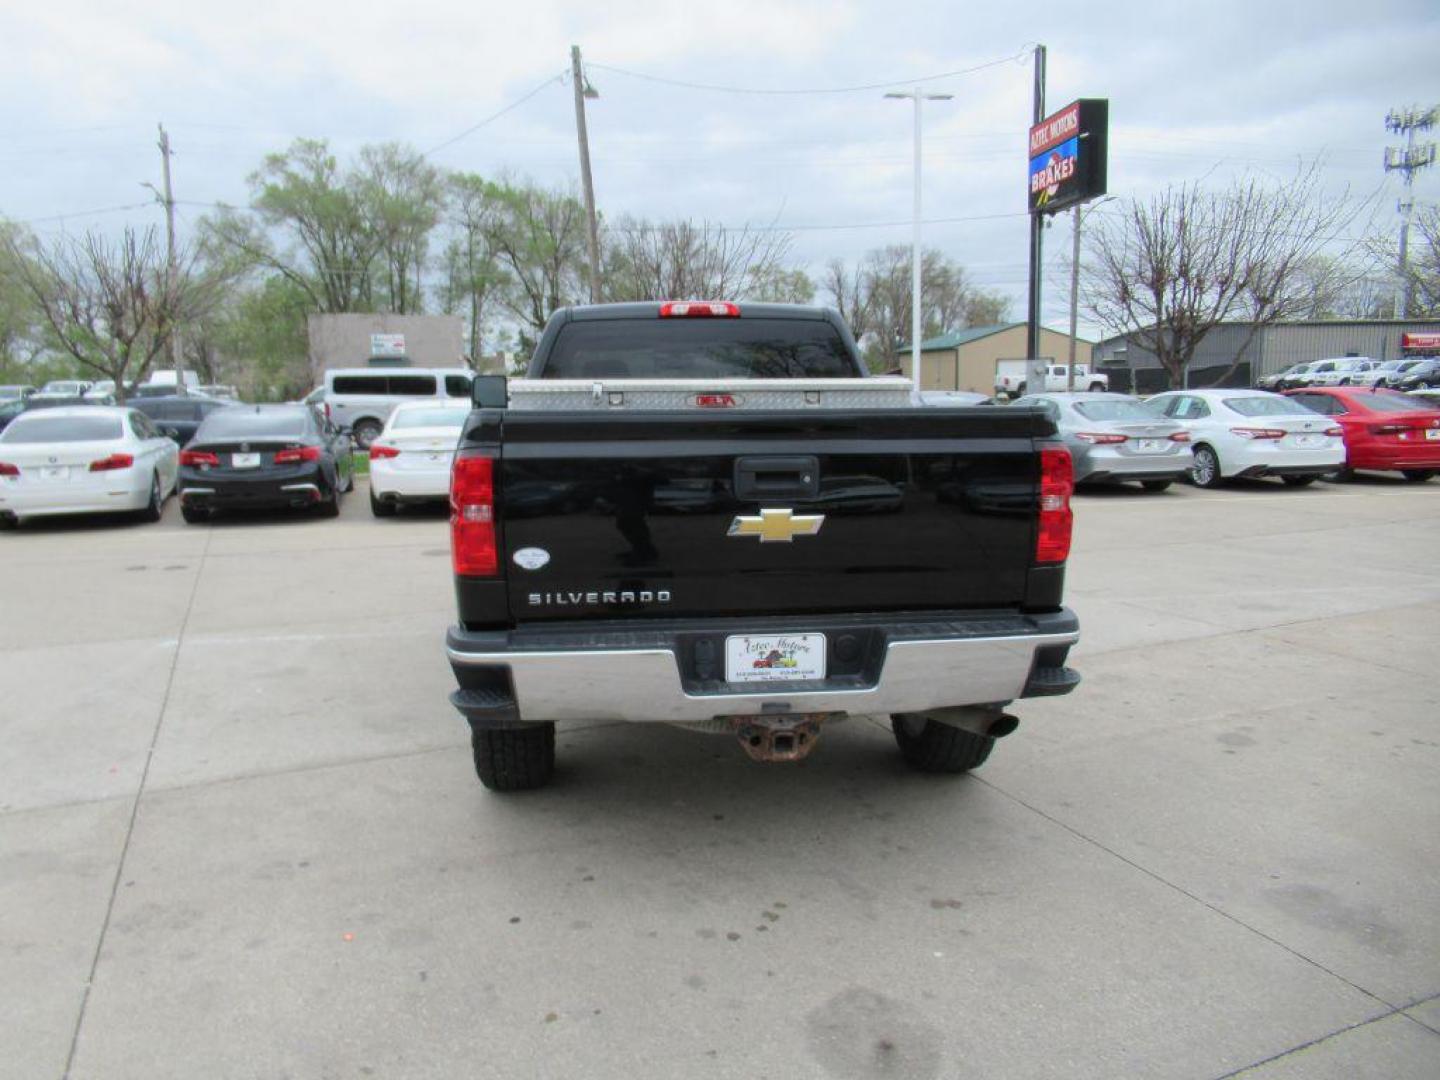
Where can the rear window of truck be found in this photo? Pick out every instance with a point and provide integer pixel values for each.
(699, 349)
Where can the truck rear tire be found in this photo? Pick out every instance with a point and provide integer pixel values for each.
(1097, 387)
(933, 747)
(514, 759)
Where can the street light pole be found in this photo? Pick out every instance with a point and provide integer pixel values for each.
(916, 96)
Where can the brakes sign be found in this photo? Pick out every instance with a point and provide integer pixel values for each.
(1068, 156)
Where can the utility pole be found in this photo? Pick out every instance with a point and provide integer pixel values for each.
(1074, 297)
(584, 90)
(915, 296)
(176, 353)
(1409, 160)
(1075, 291)
(1037, 224)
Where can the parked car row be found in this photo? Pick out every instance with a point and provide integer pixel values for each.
(1401, 374)
(1210, 436)
(74, 459)
(83, 459)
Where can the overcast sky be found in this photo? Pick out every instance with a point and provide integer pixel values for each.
(1196, 90)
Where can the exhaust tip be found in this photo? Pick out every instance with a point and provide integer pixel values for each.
(1002, 725)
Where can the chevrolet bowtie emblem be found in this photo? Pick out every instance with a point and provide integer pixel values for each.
(777, 526)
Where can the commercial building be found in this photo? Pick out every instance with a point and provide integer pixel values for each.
(1270, 349)
(345, 341)
(967, 359)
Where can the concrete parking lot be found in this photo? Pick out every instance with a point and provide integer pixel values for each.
(240, 834)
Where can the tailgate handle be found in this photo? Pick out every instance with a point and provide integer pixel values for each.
(795, 477)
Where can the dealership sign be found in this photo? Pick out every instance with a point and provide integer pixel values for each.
(1428, 342)
(1068, 156)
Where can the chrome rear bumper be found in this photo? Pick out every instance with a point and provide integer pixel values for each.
(957, 665)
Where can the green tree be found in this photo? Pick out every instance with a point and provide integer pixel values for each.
(538, 239)
(399, 196)
(21, 337)
(259, 340)
(308, 225)
(470, 275)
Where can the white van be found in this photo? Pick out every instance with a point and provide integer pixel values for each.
(363, 398)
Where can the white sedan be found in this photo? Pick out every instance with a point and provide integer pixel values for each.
(411, 457)
(1252, 433)
(86, 459)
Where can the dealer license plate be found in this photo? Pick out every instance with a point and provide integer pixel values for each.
(1150, 446)
(55, 472)
(244, 461)
(1433, 433)
(774, 657)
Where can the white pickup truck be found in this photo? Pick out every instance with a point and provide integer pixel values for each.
(1010, 378)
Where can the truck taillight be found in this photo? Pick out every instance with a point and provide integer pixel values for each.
(1057, 481)
(474, 551)
(699, 309)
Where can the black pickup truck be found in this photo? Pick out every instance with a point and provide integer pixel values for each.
(707, 515)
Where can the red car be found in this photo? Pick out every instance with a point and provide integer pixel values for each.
(1383, 429)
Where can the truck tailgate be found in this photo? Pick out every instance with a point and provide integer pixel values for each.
(762, 513)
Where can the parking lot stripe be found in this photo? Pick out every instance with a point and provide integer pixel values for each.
(134, 813)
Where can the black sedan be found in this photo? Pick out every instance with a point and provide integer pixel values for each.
(178, 417)
(265, 457)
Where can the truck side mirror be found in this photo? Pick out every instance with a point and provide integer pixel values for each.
(490, 391)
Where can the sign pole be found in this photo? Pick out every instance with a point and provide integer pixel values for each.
(1032, 327)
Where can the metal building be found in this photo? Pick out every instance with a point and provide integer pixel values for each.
(1272, 348)
(968, 359)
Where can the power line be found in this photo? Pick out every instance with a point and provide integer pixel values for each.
(823, 228)
(84, 213)
(552, 80)
(1013, 58)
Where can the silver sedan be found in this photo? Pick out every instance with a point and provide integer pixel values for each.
(1112, 437)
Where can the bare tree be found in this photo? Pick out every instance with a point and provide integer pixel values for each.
(103, 302)
(686, 260)
(845, 288)
(1168, 271)
(1424, 258)
(879, 290)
